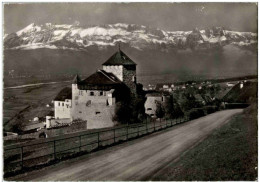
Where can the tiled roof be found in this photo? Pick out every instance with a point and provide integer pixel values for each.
(76, 79)
(65, 93)
(99, 80)
(119, 58)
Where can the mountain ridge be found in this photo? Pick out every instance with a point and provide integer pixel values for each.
(69, 49)
(140, 37)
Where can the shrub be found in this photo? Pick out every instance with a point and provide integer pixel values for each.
(18, 124)
(160, 112)
(210, 109)
(196, 113)
(122, 113)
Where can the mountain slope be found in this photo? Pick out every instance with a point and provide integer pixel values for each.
(68, 49)
(137, 36)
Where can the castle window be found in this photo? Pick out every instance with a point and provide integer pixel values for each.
(101, 93)
(97, 112)
(149, 109)
(80, 112)
(58, 104)
(134, 79)
(88, 102)
(62, 104)
(92, 93)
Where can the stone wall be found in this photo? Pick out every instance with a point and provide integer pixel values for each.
(116, 70)
(74, 127)
(129, 77)
(94, 107)
(97, 115)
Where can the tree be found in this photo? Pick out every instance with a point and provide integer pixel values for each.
(18, 124)
(169, 108)
(177, 109)
(122, 113)
(159, 112)
(130, 111)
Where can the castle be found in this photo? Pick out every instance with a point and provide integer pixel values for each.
(94, 98)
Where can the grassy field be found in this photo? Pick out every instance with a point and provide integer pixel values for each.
(230, 153)
(29, 101)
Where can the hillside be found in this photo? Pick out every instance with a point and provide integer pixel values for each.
(247, 94)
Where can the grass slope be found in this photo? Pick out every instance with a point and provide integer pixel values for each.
(230, 153)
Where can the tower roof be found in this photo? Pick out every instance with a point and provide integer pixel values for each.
(100, 80)
(76, 79)
(101, 77)
(64, 94)
(119, 58)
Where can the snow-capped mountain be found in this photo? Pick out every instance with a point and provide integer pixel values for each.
(139, 37)
(69, 49)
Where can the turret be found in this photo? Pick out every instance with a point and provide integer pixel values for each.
(123, 68)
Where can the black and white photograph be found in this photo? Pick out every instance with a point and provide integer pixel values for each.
(130, 91)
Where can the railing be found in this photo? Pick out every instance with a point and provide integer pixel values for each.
(43, 151)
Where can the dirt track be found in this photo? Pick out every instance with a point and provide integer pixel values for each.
(139, 159)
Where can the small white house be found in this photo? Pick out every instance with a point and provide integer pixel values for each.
(165, 86)
(62, 104)
(151, 102)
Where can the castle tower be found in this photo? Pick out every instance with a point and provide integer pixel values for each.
(75, 93)
(123, 68)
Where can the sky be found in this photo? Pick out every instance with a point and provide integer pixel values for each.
(165, 16)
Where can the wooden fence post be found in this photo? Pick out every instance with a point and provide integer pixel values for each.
(79, 143)
(146, 128)
(98, 139)
(154, 125)
(54, 148)
(22, 157)
(114, 135)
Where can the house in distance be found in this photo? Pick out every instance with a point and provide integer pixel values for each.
(94, 99)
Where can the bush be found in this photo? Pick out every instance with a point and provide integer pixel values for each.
(159, 112)
(210, 109)
(122, 113)
(196, 113)
(18, 124)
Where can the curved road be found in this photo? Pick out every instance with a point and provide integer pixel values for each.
(138, 159)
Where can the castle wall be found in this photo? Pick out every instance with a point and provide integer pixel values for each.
(75, 93)
(95, 106)
(116, 70)
(62, 109)
(129, 77)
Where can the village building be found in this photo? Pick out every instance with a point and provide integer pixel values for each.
(94, 99)
(62, 104)
(151, 102)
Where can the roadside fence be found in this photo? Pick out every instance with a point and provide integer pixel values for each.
(39, 152)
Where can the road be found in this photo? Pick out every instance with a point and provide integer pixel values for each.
(138, 159)
(34, 84)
